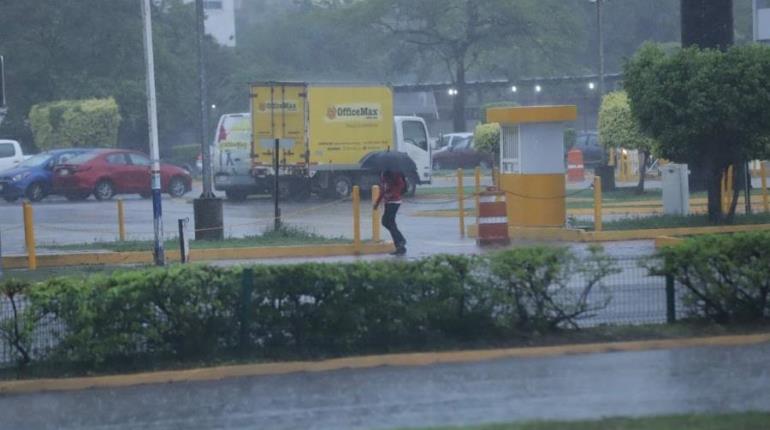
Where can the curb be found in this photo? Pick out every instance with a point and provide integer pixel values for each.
(198, 255)
(558, 234)
(364, 362)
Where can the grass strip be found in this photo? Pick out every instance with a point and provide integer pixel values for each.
(287, 236)
(742, 421)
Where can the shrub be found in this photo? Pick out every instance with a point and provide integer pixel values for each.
(199, 312)
(75, 123)
(726, 277)
(486, 138)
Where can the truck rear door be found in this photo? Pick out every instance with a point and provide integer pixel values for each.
(278, 112)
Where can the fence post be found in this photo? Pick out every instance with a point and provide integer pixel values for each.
(763, 174)
(247, 287)
(597, 203)
(121, 221)
(670, 300)
(184, 241)
(460, 201)
(29, 236)
(356, 219)
(375, 215)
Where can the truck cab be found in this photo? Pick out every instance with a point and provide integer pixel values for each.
(10, 154)
(411, 137)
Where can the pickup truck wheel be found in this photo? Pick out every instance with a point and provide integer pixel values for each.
(437, 165)
(104, 190)
(236, 196)
(342, 186)
(35, 192)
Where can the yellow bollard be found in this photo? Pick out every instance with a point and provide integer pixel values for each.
(121, 221)
(461, 201)
(375, 215)
(357, 219)
(597, 203)
(477, 178)
(29, 236)
(763, 174)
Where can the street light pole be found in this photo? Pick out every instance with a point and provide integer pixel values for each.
(207, 209)
(600, 30)
(152, 119)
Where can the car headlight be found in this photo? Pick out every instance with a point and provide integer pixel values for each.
(19, 176)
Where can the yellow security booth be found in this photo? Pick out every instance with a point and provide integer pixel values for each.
(532, 170)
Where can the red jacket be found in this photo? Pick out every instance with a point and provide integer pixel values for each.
(391, 190)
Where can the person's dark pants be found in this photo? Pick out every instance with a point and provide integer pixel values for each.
(389, 222)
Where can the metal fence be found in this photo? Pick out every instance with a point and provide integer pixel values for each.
(631, 296)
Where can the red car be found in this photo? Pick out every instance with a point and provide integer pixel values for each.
(106, 172)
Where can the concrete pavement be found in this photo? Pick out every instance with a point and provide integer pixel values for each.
(705, 380)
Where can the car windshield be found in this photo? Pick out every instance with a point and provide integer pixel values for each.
(462, 142)
(36, 160)
(83, 158)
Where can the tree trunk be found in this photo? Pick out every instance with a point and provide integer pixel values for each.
(458, 104)
(707, 23)
(642, 172)
(714, 189)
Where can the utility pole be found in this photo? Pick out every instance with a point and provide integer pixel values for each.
(600, 38)
(152, 119)
(207, 208)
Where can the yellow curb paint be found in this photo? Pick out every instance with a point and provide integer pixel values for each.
(396, 360)
(664, 241)
(118, 258)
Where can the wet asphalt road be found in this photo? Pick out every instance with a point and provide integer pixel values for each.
(706, 380)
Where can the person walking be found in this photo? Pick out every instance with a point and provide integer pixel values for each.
(392, 185)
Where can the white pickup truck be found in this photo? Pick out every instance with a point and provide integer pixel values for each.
(10, 154)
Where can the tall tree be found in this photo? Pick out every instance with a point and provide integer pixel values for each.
(707, 108)
(462, 34)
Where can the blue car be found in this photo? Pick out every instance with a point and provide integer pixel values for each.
(33, 177)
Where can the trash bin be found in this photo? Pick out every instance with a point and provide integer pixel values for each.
(607, 176)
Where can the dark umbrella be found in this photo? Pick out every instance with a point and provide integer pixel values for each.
(389, 160)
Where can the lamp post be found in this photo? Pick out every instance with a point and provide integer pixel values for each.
(152, 119)
(600, 35)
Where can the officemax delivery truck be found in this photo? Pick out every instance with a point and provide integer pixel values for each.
(321, 133)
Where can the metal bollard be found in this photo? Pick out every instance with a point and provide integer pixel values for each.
(121, 221)
(357, 219)
(670, 300)
(184, 241)
(460, 201)
(375, 215)
(597, 203)
(1, 255)
(29, 236)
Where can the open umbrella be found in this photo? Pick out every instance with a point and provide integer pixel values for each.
(389, 160)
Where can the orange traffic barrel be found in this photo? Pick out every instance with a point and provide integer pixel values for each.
(575, 167)
(492, 219)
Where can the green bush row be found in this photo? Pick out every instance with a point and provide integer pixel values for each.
(188, 313)
(726, 278)
(75, 123)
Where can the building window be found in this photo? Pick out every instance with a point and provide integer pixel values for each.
(212, 4)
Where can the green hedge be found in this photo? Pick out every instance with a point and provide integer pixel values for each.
(187, 313)
(75, 123)
(726, 278)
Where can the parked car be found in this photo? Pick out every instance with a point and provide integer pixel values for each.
(10, 154)
(593, 151)
(107, 172)
(33, 177)
(445, 141)
(460, 153)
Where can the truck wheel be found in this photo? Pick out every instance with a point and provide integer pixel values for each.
(236, 196)
(411, 185)
(342, 186)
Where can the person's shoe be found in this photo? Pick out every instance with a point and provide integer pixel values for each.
(401, 250)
